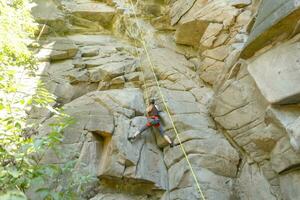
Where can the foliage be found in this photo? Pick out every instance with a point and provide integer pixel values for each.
(20, 150)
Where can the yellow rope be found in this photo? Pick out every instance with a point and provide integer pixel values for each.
(143, 76)
(165, 105)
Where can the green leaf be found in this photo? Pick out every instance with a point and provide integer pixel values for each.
(55, 196)
(14, 172)
(18, 125)
(29, 102)
(43, 192)
(22, 101)
(13, 195)
(37, 181)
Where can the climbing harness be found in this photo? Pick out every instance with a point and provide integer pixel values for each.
(164, 102)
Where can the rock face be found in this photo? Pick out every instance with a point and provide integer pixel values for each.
(273, 18)
(276, 73)
(235, 108)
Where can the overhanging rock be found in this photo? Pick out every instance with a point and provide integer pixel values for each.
(274, 19)
(277, 73)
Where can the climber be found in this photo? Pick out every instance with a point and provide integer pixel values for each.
(153, 120)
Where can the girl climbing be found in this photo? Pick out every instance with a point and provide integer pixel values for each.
(153, 120)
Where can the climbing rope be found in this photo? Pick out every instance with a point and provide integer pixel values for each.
(164, 102)
(143, 76)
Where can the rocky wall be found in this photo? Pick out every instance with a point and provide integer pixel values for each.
(230, 110)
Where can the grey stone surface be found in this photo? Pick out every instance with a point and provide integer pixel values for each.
(283, 156)
(252, 184)
(96, 74)
(216, 187)
(290, 184)
(294, 134)
(275, 18)
(276, 73)
(49, 12)
(193, 18)
(286, 118)
(93, 11)
(240, 3)
(209, 148)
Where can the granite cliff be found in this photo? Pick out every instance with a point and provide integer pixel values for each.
(229, 70)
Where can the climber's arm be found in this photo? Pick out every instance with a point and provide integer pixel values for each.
(148, 109)
(158, 109)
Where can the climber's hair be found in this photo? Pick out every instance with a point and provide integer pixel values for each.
(152, 101)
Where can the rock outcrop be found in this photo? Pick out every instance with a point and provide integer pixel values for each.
(226, 87)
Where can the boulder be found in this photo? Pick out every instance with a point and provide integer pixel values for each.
(214, 186)
(90, 156)
(179, 8)
(210, 34)
(234, 106)
(209, 148)
(239, 107)
(218, 53)
(58, 49)
(240, 3)
(210, 71)
(89, 51)
(116, 196)
(289, 185)
(190, 33)
(91, 10)
(283, 156)
(274, 20)
(181, 102)
(287, 119)
(193, 18)
(294, 134)
(251, 184)
(276, 73)
(49, 13)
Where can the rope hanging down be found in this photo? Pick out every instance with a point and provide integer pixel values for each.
(143, 76)
(165, 104)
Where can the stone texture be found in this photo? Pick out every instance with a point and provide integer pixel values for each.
(286, 118)
(210, 70)
(240, 3)
(117, 196)
(219, 53)
(179, 8)
(190, 33)
(283, 156)
(49, 12)
(198, 143)
(276, 73)
(46, 10)
(57, 49)
(252, 184)
(210, 34)
(239, 146)
(275, 19)
(194, 20)
(294, 134)
(93, 11)
(218, 187)
(290, 185)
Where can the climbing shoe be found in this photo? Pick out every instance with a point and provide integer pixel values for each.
(131, 138)
(172, 144)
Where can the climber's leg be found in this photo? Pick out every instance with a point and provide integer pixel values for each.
(161, 131)
(145, 127)
(169, 140)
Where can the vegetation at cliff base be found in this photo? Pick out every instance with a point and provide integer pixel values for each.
(21, 149)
